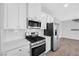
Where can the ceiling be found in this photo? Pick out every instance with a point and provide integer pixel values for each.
(58, 11)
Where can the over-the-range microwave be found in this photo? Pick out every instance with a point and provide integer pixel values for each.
(34, 24)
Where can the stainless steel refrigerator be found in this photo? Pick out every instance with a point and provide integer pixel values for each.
(52, 30)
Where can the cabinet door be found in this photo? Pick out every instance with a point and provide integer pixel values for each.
(43, 23)
(34, 10)
(12, 15)
(25, 51)
(48, 44)
(22, 15)
(21, 51)
(13, 52)
(5, 22)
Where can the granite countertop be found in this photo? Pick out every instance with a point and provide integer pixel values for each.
(14, 44)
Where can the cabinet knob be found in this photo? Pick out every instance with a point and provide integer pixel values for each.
(20, 49)
(28, 51)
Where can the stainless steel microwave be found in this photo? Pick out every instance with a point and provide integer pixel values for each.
(34, 24)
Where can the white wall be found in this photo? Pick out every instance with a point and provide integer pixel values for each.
(66, 29)
(60, 12)
(60, 30)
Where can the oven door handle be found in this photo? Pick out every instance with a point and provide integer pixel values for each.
(38, 45)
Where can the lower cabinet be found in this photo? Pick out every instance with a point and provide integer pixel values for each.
(22, 51)
(48, 43)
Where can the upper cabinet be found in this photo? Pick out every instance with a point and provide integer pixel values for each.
(23, 9)
(12, 16)
(34, 11)
(15, 15)
(43, 23)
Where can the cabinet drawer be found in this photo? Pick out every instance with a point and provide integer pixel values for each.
(48, 44)
(12, 52)
(22, 51)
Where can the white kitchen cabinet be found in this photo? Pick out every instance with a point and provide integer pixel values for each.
(43, 23)
(34, 10)
(21, 51)
(15, 15)
(12, 15)
(5, 20)
(22, 15)
(48, 43)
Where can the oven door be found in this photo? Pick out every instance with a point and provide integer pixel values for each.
(36, 51)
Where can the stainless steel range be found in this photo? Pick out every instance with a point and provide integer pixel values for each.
(38, 45)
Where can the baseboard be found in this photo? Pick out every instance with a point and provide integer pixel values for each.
(68, 38)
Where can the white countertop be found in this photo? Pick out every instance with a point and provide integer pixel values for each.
(14, 44)
(46, 36)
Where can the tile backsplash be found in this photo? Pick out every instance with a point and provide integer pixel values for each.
(10, 35)
(39, 31)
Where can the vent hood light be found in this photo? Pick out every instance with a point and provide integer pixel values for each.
(66, 5)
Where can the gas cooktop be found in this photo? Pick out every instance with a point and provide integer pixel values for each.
(34, 39)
